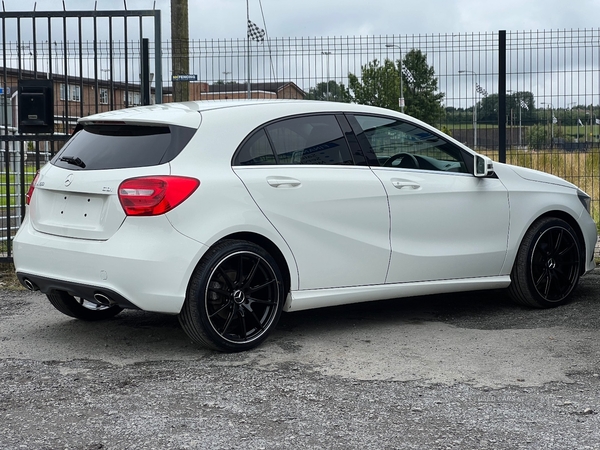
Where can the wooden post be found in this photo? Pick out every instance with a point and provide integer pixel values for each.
(180, 38)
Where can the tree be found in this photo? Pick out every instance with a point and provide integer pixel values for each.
(420, 89)
(537, 137)
(380, 86)
(329, 91)
(488, 107)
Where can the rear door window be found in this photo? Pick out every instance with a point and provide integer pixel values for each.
(119, 146)
(310, 140)
(256, 151)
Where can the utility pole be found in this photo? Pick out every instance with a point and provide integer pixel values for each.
(180, 38)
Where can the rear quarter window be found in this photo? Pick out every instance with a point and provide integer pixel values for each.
(98, 147)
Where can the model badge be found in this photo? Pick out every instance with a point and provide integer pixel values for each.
(69, 180)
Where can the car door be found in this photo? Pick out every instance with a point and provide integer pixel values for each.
(446, 223)
(333, 214)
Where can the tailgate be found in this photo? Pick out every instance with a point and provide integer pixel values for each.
(81, 204)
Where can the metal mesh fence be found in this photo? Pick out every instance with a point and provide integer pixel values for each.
(552, 90)
(552, 87)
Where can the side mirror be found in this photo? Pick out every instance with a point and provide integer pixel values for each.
(484, 166)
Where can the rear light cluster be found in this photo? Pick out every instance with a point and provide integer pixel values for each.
(151, 196)
(31, 189)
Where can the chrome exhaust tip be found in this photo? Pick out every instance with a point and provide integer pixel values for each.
(29, 284)
(102, 299)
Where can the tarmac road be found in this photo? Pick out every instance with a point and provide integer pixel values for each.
(466, 371)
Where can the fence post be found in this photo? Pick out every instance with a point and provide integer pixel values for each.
(145, 66)
(502, 96)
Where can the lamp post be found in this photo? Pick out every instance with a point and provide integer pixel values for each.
(474, 106)
(401, 99)
(551, 123)
(520, 101)
(327, 54)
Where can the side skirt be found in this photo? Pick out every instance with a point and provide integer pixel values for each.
(318, 298)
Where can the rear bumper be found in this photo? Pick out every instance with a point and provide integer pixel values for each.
(45, 285)
(146, 267)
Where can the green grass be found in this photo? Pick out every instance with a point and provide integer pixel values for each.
(13, 186)
(580, 168)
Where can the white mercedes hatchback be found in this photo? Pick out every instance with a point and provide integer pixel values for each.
(228, 213)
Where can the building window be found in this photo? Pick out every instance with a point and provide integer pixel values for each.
(74, 93)
(103, 96)
(134, 99)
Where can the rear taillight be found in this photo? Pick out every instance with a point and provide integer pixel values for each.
(31, 189)
(151, 196)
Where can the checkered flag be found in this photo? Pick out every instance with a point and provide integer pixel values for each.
(255, 33)
(481, 90)
(408, 75)
(524, 105)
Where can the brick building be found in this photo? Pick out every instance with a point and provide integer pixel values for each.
(76, 97)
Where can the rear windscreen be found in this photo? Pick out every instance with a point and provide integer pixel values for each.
(98, 147)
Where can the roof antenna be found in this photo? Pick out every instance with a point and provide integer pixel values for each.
(64, 6)
(3, 8)
(95, 6)
(34, 6)
(125, 3)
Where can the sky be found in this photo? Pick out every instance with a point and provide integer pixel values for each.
(226, 20)
(218, 19)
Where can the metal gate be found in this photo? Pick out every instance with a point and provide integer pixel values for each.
(97, 61)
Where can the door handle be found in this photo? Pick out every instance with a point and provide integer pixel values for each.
(406, 185)
(283, 182)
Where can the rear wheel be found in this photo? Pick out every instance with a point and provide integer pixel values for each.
(547, 267)
(235, 297)
(80, 308)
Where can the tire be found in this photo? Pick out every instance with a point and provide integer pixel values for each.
(80, 308)
(234, 298)
(547, 267)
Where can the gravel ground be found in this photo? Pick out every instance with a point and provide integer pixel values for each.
(468, 371)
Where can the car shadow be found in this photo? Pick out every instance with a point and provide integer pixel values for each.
(139, 335)
(485, 310)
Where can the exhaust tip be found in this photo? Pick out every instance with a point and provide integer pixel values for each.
(102, 299)
(29, 284)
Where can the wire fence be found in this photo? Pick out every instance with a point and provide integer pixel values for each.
(552, 83)
(552, 93)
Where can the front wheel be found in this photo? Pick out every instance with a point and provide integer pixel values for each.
(234, 299)
(547, 267)
(80, 308)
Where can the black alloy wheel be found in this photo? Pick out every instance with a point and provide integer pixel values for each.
(548, 264)
(235, 297)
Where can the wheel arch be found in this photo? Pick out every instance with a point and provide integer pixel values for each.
(575, 225)
(270, 247)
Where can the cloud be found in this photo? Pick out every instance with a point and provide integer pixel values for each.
(226, 19)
